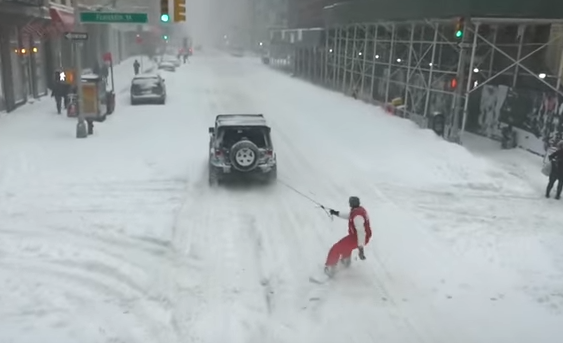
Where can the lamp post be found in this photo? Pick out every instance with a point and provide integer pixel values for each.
(81, 129)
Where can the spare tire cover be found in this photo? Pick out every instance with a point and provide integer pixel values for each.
(244, 156)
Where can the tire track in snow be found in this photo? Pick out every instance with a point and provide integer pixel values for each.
(450, 274)
(292, 160)
(225, 288)
(87, 271)
(265, 221)
(284, 228)
(336, 188)
(79, 257)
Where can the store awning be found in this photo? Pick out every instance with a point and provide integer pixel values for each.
(63, 17)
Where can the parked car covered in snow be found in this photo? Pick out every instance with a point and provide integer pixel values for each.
(172, 59)
(148, 88)
(167, 66)
(237, 51)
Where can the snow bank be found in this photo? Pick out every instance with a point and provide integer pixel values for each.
(387, 147)
(86, 225)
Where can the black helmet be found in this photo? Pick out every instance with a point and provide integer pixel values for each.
(354, 201)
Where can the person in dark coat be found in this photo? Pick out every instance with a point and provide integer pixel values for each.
(556, 159)
(136, 67)
(60, 91)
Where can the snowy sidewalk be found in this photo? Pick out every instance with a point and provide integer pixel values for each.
(123, 73)
(85, 224)
(516, 162)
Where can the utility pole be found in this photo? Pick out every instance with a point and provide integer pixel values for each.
(464, 49)
(81, 129)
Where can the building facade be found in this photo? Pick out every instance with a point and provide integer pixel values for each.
(22, 52)
(32, 44)
(268, 14)
(306, 13)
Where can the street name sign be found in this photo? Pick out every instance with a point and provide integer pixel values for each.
(111, 17)
(76, 35)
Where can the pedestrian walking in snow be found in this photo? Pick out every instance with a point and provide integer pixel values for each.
(556, 174)
(359, 234)
(136, 67)
(60, 91)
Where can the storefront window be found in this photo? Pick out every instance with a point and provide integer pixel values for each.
(18, 82)
(39, 55)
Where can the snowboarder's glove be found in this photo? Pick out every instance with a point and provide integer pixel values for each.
(333, 212)
(361, 253)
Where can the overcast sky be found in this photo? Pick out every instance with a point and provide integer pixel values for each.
(208, 19)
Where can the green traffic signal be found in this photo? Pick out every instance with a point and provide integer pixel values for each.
(459, 33)
(165, 18)
(165, 37)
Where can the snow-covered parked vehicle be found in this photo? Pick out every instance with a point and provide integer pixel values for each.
(167, 66)
(175, 60)
(240, 146)
(148, 88)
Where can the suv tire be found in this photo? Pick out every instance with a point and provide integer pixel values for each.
(214, 176)
(273, 175)
(244, 156)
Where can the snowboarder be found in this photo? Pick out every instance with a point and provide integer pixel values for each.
(136, 67)
(359, 234)
(556, 174)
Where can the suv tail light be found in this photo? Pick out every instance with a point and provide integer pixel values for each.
(269, 153)
(218, 153)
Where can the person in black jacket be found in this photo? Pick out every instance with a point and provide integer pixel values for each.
(60, 91)
(136, 67)
(556, 159)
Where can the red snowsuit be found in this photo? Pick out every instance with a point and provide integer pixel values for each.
(359, 234)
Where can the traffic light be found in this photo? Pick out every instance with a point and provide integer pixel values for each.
(453, 83)
(165, 37)
(459, 26)
(164, 11)
(179, 10)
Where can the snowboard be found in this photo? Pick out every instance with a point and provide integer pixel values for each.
(321, 278)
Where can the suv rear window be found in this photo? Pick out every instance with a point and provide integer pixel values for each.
(258, 136)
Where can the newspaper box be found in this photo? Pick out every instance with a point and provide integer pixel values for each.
(94, 97)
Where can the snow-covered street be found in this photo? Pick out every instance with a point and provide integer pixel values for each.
(119, 238)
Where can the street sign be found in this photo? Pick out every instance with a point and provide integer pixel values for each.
(107, 57)
(107, 17)
(76, 35)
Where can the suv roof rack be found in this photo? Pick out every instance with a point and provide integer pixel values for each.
(241, 120)
(239, 115)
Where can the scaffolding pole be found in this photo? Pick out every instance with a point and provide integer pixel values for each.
(409, 62)
(390, 63)
(365, 56)
(345, 67)
(431, 72)
(469, 78)
(373, 60)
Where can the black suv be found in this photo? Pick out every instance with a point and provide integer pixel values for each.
(240, 146)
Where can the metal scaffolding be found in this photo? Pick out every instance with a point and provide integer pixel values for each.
(426, 67)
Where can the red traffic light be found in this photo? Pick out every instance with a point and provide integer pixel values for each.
(453, 83)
